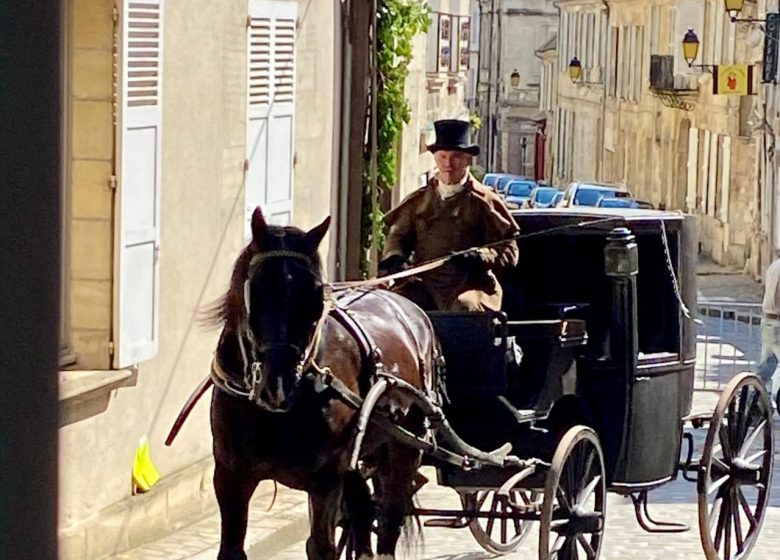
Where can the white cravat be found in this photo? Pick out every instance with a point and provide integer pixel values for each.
(445, 191)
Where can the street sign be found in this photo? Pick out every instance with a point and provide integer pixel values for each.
(732, 79)
(771, 39)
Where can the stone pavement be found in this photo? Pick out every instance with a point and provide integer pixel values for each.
(271, 529)
(715, 282)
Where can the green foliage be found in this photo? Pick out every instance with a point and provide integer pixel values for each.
(398, 22)
(477, 171)
(476, 122)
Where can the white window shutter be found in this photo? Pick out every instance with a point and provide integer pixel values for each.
(271, 36)
(137, 292)
(693, 157)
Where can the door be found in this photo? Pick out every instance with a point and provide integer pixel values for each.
(271, 34)
(137, 267)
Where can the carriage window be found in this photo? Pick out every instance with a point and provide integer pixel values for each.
(657, 307)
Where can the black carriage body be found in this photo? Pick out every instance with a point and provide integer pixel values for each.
(616, 354)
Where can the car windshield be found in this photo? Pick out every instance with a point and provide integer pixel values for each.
(545, 196)
(616, 203)
(519, 189)
(589, 196)
(490, 180)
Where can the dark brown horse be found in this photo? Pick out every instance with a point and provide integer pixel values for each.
(269, 418)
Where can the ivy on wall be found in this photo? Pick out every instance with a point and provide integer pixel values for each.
(398, 22)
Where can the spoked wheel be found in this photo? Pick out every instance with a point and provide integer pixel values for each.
(499, 536)
(575, 492)
(736, 470)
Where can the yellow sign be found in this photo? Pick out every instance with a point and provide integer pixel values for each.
(733, 79)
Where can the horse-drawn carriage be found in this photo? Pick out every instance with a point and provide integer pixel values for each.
(582, 385)
(600, 399)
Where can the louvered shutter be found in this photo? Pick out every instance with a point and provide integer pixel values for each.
(270, 109)
(136, 318)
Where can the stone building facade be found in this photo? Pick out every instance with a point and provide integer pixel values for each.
(664, 134)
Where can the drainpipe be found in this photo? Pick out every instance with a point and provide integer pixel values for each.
(339, 169)
(607, 52)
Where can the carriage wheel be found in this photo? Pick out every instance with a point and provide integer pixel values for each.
(575, 492)
(499, 536)
(736, 470)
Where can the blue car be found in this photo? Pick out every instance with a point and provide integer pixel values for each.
(609, 202)
(589, 194)
(518, 192)
(504, 180)
(544, 197)
(489, 180)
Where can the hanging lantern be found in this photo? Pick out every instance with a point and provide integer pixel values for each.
(690, 45)
(733, 7)
(575, 69)
(514, 79)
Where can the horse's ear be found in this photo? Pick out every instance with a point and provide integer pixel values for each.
(259, 228)
(314, 236)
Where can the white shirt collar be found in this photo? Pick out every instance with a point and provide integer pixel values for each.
(446, 191)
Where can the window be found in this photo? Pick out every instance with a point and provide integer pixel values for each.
(655, 28)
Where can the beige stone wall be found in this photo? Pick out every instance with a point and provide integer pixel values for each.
(647, 144)
(89, 165)
(202, 232)
(316, 96)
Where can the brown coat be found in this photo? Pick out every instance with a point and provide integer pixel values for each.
(424, 227)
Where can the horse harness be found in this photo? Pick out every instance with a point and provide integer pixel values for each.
(370, 354)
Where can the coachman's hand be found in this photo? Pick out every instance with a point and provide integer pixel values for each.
(469, 261)
(391, 265)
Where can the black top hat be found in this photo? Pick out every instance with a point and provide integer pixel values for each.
(453, 134)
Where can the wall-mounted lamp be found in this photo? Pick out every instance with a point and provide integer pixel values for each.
(690, 46)
(575, 73)
(514, 79)
(734, 8)
(575, 69)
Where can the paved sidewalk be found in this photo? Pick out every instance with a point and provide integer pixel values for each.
(270, 530)
(715, 282)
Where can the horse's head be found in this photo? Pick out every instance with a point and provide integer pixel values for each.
(284, 301)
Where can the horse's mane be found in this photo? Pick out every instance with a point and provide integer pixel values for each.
(227, 309)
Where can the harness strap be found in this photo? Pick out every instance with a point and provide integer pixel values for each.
(370, 355)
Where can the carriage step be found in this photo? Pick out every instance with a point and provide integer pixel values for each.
(447, 522)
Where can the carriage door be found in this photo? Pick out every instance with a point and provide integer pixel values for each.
(137, 267)
(271, 29)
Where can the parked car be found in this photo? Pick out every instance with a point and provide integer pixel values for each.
(612, 202)
(518, 192)
(589, 194)
(489, 180)
(543, 196)
(505, 179)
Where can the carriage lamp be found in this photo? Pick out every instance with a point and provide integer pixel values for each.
(575, 69)
(621, 256)
(514, 79)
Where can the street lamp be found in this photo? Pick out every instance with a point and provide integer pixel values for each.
(690, 46)
(514, 79)
(733, 7)
(575, 69)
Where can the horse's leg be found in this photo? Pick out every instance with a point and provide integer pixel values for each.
(324, 509)
(395, 480)
(233, 490)
(360, 515)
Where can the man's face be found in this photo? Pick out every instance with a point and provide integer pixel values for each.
(452, 165)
